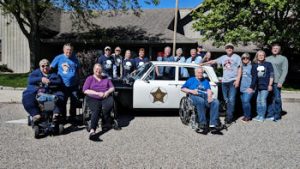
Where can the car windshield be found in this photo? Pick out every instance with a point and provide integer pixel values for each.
(141, 71)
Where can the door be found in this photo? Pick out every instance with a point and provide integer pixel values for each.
(157, 90)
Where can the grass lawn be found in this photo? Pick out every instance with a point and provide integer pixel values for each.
(14, 80)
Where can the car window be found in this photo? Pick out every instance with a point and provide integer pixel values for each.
(162, 73)
(141, 71)
(187, 72)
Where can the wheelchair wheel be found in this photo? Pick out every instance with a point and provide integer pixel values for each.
(60, 128)
(85, 112)
(36, 130)
(88, 125)
(185, 110)
(29, 121)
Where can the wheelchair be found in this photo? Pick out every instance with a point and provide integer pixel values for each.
(189, 116)
(86, 117)
(187, 112)
(46, 125)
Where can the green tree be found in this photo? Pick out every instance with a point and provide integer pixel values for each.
(243, 21)
(30, 13)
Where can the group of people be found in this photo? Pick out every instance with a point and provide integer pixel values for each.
(97, 88)
(264, 76)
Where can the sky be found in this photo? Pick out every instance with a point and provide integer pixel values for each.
(171, 4)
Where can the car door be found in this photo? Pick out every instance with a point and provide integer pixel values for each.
(157, 89)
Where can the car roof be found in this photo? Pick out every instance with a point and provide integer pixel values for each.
(157, 63)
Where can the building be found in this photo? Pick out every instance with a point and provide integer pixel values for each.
(152, 30)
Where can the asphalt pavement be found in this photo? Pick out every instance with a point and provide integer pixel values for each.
(157, 140)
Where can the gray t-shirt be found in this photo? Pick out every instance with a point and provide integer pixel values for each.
(230, 67)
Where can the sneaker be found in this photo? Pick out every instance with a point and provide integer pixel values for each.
(259, 118)
(270, 119)
(246, 120)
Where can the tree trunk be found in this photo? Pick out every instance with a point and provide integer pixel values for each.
(35, 49)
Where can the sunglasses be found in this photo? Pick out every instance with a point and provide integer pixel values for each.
(245, 58)
(43, 66)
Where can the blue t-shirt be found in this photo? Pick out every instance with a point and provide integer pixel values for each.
(201, 85)
(107, 65)
(67, 69)
(196, 60)
(128, 66)
(246, 77)
(140, 62)
(230, 67)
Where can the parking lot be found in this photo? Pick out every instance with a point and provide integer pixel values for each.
(154, 140)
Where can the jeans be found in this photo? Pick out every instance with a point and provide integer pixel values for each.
(229, 93)
(72, 93)
(275, 108)
(246, 103)
(261, 102)
(201, 106)
(97, 106)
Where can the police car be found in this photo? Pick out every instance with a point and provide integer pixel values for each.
(157, 85)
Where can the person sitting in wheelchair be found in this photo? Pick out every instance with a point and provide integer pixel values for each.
(198, 89)
(41, 81)
(98, 90)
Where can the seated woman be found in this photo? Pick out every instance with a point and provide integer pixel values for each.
(98, 92)
(41, 80)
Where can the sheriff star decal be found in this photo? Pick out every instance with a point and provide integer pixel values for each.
(158, 95)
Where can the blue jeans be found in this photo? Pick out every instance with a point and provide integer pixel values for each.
(275, 108)
(261, 102)
(201, 106)
(229, 93)
(246, 103)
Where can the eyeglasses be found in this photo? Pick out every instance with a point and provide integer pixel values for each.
(43, 66)
(245, 58)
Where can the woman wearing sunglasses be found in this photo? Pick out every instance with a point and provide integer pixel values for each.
(41, 80)
(246, 95)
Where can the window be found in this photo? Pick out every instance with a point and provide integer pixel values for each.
(162, 73)
(187, 72)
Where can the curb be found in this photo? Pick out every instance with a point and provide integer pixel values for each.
(11, 88)
(290, 100)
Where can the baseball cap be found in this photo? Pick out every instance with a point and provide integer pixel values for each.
(107, 48)
(229, 45)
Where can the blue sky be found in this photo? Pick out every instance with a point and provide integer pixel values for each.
(171, 4)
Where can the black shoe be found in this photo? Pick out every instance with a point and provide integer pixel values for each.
(217, 129)
(228, 122)
(202, 129)
(93, 136)
(117, 127)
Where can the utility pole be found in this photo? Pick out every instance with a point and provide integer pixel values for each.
(175, 28)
